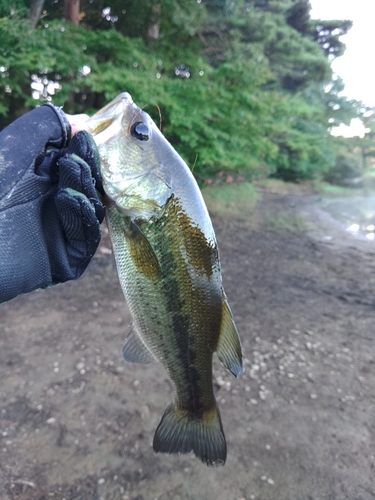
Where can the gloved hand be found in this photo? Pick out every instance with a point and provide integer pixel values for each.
(50, 212)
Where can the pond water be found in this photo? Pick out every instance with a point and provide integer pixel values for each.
(356, 214)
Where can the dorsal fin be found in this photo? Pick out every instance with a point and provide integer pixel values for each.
(229, 346)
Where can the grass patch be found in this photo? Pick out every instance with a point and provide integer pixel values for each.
(230, 199)
(308, 187)
(278, 186)
(331, 189)
(287, 220)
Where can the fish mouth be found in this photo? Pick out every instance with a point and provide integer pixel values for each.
(100, 123)
(123, 100)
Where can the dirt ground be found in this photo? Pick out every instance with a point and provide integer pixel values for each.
(77, 422)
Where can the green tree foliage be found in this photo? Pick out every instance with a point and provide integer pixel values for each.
(298, 16)
(366, 145)
(12, 7)
(348, 164)
(327, 34)
(242, 85)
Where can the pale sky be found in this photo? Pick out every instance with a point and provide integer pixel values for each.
(357, 66)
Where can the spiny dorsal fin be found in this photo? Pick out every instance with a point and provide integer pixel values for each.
(135, 350)
(229, 346)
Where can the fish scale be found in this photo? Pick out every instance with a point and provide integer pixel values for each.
(169, 270)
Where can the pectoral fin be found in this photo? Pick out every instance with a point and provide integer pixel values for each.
(229, 347)
(135, 350)
(142, 252)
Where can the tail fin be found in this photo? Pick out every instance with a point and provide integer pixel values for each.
(180, 432)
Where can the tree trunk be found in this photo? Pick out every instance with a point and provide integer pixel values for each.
(35, 11)
(153, 30)
(71, 11)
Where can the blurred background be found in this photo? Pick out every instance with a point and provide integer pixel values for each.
(244, 87)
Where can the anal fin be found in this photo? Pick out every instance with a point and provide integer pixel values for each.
(229, 346)
(135, 350)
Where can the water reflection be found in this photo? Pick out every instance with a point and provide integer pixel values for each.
(354, 228)
(356, 214)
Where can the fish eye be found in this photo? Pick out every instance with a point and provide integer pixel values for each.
(140, 131)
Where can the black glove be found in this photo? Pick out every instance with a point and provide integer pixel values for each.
(50, 212)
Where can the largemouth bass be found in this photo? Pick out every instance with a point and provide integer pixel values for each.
(168, 266)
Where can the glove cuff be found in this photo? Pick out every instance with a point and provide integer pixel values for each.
(65, 126)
